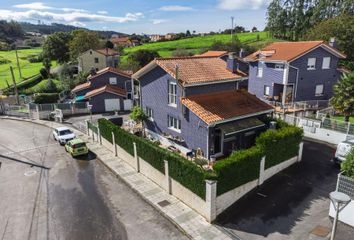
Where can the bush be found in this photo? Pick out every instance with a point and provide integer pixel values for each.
(44, 73)
(50, 87)
(348, 165)
(35, 58)
(239, 168)
(46, 98)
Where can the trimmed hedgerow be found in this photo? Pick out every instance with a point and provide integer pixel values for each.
(239, 168)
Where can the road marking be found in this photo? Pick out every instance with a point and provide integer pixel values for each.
(30, 149)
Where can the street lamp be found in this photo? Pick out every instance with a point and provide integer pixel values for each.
(340, 201)
(89, 106)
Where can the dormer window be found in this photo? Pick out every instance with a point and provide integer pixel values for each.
(311, 64)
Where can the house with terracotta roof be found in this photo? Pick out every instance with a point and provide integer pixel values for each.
(290, 72)
(106, 90)
(194, 103)
(124, 42)
(98, 59)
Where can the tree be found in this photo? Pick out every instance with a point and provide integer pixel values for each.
(348, 165)
(56, 47)
(82, 41)
(143, 56)
(343, 98)
(109, 44)
(188, 33)
(139, 116)
(50, 87)
(66, 77)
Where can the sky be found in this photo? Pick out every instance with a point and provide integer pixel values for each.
(140, 16)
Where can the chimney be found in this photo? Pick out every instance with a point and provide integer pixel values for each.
(232, 64)
(333, 42)
(241, 53)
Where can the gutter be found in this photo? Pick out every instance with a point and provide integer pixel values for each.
(216, 81)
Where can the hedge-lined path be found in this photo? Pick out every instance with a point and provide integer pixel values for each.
(185, 218)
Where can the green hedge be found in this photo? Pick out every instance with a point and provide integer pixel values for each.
(239, 168)
(30, 82)
(46, 98)
(280, 145)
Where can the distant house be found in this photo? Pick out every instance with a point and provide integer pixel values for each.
(194, 103)
(107, 90)
(170, 36)
(124, 42)
(98, 59)
(156, 38)
(294, 71)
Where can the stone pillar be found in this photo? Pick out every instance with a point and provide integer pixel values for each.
(136, 157)
(99, 139)
(114, 145)
(301, 147)
(210, 199)
(167, 178)
(261, 171)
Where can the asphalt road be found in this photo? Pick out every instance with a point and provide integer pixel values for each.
(72, 199)
(292, 203)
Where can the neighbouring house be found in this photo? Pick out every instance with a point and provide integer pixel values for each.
(124, 42)
(98, 59)
(156, 37)
(170, 36)
(290, 72)
(107, 90)
(194, 103)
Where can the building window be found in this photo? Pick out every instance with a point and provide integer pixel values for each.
(174, 124)
(96, 60)
(326, 62)
(113, 80)
(311, 64)
(172, 94)
(149, 113)
(90, 52)
(279, 66)
(319, 90)
(259, 72)
(266, 90)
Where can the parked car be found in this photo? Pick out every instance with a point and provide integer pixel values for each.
(76, 147)
(63, 135)
(343, 149)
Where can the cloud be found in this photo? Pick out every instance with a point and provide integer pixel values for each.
(76, 17)
(34, 5)
(175, 8)
(102, 12)
(242, 4)
(158, 21)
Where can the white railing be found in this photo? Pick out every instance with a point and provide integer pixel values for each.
(302, 105)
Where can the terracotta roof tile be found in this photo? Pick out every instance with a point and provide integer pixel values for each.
(110, 69)
(198, 69)
(213, 54)
(220, 106)
(106, 88)
(107, 52)
(287, 51)
(81, 87)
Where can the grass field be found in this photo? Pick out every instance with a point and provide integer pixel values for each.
(28, 69)
(341, 118)
(200, 44)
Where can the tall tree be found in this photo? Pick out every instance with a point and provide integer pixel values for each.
(82, 41)
(143, 56)
(343, 98)
(56, 47)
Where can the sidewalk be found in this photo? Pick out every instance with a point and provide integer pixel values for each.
(185, 218)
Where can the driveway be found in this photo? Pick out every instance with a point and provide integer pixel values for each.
(47, 194)
(290, 204)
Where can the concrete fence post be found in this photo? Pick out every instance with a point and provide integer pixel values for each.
(167, 178)
(87, 127)
(261, 171)
(299, 155)
(210, 199)
(136, 157)
(114, 145)
(99, 135)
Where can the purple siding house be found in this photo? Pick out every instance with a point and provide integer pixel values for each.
(107, 90)
(294, 71)
(194, 104)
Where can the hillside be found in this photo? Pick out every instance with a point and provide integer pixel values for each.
(200, 44)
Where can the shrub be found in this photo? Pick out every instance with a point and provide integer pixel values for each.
(46, 98)
(44, 73)
(50, 87)
(348, 165)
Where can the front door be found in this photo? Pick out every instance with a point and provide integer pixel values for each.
(217, 141)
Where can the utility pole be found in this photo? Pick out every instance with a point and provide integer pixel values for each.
(18, 63)
(15, 86)
(232, 27)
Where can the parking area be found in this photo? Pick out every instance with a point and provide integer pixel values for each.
(291, 204)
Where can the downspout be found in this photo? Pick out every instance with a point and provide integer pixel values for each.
(207, 153)
(132, 86)
(296, 82)
(285, 82)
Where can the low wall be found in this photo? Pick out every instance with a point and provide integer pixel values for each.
(152, 173)
(326, 135)
(270, 172)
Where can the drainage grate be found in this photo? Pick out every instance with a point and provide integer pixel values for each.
(164, 203)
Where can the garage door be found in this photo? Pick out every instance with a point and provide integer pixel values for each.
(112, 104)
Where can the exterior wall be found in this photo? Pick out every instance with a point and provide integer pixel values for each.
(97, 102)
(102, 80)
(87, 61)
(154, 94)
(217, 87)
(308, 79)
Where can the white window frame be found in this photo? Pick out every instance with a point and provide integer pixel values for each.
(259, 72)
(311, 64)
(279, 67)
(172, 94)
(316, 88)
(328, 63)
(265, 90)
(113, 80)
(149, 113)
(174, 124)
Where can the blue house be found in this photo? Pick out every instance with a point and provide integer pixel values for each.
(106, 90)
(294, 71)
(194, 104)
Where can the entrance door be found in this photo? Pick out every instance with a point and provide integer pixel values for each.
(217, 141)
(112, 104)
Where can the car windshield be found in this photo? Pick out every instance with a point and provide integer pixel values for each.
(79, 145)
(65, 132)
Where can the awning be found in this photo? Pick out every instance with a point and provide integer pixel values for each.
(241, 126)
(80, 98)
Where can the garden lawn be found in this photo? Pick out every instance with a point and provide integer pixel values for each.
(341, 118)
(28, 69)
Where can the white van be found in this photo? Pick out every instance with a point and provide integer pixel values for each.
(343, 149)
